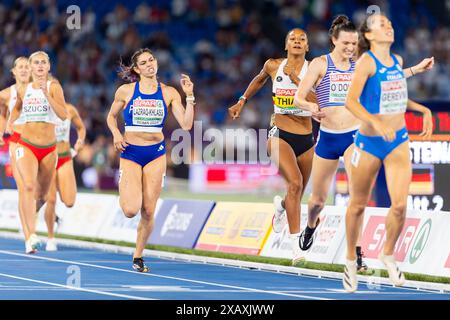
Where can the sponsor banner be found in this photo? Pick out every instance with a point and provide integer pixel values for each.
(120, 228)
(9, 212)
(179, 222)
(237, 227)
(329, 235)
(420, 247)
(85, 218)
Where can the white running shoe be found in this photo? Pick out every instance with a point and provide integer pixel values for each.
(395, 275)
(297, 254)
(28, 248)
(51, 245)
(350, 281)
(279, 219)
(35, 242)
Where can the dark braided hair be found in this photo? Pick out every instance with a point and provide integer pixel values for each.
(127, 73)
(340, 23)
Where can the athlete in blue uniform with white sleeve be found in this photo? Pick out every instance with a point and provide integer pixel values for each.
(378, 96)
(144, 103)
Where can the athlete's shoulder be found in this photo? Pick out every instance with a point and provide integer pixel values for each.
(125, 88)
(399, 58)
(319, 62)
(272, 64)
(5, 93)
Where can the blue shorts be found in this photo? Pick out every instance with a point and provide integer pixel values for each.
(377, 146)
(143, 155)
(331, 146)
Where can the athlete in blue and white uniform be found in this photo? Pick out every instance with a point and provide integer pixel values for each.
(144, 103)
(331, 76)
(378, 96)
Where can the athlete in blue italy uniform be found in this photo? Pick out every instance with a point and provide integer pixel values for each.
(378, 96)
(144, 103)
(331, 75)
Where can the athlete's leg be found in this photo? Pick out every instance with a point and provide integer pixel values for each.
(50, 212)
(45, 176)
(323, 171)
(67, 185)
(20, 187)
(398, 177)
(283, 156)
(364, 168)
(152, 178)
(27, 166)
(130, 187)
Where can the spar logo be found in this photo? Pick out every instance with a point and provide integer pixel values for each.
(374, 237)
(420, 242)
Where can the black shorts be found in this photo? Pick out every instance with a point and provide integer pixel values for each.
(300, 143)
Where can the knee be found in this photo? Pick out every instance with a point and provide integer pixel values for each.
(398, 210)
(295, 186)
(69, 204)
(148, 212)
(356, 208)
(129, 211)
(29, 187)
(316, 202)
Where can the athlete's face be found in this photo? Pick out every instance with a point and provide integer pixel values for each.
(297, 42)
(21, 70)
(146, 65)
(40, 66)
(346, 43)
(380, 29)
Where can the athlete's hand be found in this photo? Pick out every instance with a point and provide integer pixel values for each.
(235, 110)
(119, 143)
(383, 130)
(290, 71)
(9, 127)
(187, 85)
(43, 87)
(427, 125)
(78, 145)
(2, 142)
(317, 114)
(425, 65)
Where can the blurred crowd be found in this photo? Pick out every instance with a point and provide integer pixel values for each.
(221, 44)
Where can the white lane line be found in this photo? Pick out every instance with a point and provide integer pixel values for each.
(74, 288)
(161, 276)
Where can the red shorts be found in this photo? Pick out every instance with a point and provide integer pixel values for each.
(14, 137)
(39, 151)
(63, 158)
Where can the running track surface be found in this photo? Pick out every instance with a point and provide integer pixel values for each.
(103, 275)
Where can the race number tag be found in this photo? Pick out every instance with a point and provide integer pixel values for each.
(355, 157)
(20, 152)
(148, 112)
(339, 85)
(394, 96)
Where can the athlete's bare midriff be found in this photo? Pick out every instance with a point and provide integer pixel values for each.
(143, 138)
(40, 133)
(338, 118)
(395, 121)
(63, 147)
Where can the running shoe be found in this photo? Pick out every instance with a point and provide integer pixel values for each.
(279, 219)
(28, 248)
(139, 265)
(35, 242)
(306, 238)
(350, 280)
(395, 275)
(51, 245)
(297, 254)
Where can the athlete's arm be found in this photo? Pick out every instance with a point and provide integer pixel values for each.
(56, 98)
(365, 67)
(116, 107)
(427, 117)
(3, 113)
(185, 117)
(255, 85)
(15, 112)
(302, 96)
(79, 126)
(425, 65)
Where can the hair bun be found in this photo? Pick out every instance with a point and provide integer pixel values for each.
(341, 19)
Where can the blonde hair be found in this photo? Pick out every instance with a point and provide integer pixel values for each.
(39, 52)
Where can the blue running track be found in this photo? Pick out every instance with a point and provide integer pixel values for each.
(103, 275)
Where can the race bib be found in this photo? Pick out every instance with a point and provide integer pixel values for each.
(394, 96)
(36, 109)
(283, 101)
(148, 112)
(339, 85)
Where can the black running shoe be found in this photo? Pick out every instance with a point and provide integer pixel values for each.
(306, 239)
(139, 265)
(361, 266)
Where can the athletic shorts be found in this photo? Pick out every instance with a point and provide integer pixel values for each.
(40, 152)
(332, 145)
(63, 158)
(300, 143)
(377, 146)
(143, 155)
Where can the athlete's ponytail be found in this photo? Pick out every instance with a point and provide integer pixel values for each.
(340, 23)
(363, 43)
(127, 73)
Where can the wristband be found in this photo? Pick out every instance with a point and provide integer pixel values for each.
(243, 98)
